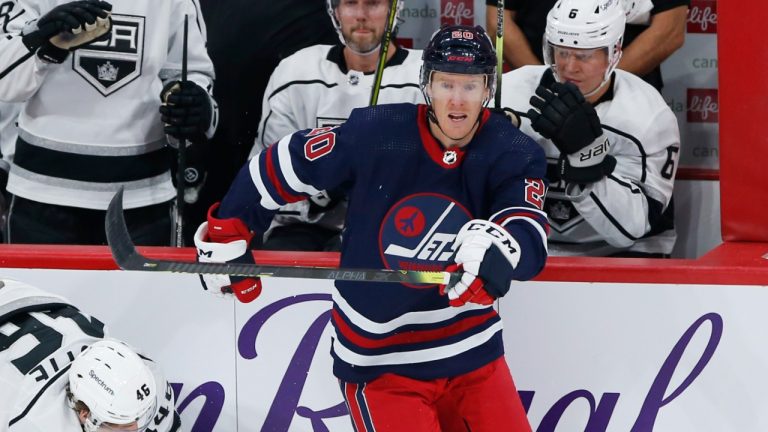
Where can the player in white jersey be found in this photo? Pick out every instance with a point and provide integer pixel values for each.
(90, 74)
(611, 141)
(320, 86)
(58, 373)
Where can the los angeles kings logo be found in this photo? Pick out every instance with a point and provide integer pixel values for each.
(111, 64)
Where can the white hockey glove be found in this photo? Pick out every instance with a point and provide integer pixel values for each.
(565, 117)
(68, 27)
(487, 255)
(226, 240)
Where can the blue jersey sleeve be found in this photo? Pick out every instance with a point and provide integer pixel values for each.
(518, 187)
(298, 166)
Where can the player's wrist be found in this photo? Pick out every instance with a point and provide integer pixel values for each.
(585, 174)
(591, 154)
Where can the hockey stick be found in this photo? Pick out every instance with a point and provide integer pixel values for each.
(499, 50)
(128, 258)
(182, 153)
(385, 41)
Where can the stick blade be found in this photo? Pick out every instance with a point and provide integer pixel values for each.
(118, 238)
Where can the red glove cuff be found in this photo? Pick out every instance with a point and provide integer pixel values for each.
(247, 289)
(226, 230)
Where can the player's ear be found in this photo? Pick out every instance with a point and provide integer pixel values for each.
(82, 414)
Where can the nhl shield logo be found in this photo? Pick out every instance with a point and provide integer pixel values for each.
(450, 157)
(111, 64)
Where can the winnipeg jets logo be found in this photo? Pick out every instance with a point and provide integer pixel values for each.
(419, 232)
(450, 157)
(432, 246)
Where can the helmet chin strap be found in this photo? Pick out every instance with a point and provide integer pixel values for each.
(597, 89)
(373, 50)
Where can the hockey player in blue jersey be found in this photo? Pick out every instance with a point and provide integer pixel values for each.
(447, 184)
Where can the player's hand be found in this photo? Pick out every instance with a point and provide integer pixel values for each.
(226, 240)
(186, 110)
(509, 114)
(562, 115)
(68, 27)
(487, 256)
(566, 118)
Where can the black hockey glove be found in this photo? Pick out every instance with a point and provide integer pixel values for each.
(509, 114)
(186, 110)
(66, 28)
(563, 116)
(195, 171)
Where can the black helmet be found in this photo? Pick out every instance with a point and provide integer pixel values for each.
(460, 49)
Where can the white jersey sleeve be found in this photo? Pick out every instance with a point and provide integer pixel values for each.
(623, 211)
(21, 71)
(277, 109)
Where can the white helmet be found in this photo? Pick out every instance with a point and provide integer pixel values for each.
(115, 384)
(585, 24)
(638, 11)
(331, 6)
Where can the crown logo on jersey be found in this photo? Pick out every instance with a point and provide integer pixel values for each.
(450, 157)
(559, 211)
(107, 72)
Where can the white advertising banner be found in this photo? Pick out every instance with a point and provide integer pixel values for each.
(586, 356)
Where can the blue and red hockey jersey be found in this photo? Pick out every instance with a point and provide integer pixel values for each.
(408, 198)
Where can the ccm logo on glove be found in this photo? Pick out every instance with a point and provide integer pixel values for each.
(495, 232)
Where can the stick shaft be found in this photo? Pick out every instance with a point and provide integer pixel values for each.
(383, 52)
(181, 161)
(499, 50)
